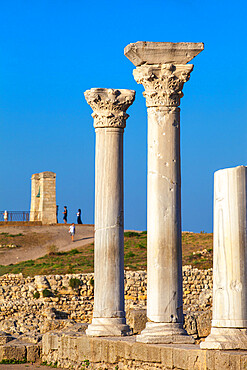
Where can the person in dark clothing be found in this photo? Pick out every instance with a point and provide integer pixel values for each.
(57, 207)
(79, 216)
(65, 215)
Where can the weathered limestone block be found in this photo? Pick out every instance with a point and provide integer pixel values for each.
(41, 283)
(109, 113)
(190, 324)
(162, 70)
(79, 351)
(43, 198)
(13, 350)
(142, 52)
(229, 323)
(203, 321)
(5, 338)
(33, 352)
(136, 319)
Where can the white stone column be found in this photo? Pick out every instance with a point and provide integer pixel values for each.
(163, 75)
(229, 322)
(109, 113)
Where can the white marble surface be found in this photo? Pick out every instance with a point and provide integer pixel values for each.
(142, 52)
(109, 120)
(163, 85)
(230, 259)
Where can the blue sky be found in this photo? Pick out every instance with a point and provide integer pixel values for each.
(52, 51)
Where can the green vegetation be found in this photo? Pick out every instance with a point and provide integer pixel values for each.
(47, 293)
(45, 363)
(74, 283)
(86, 364)
(11, 235)
(36, 295)
(131, 234)
(13, 361)
(197, 251)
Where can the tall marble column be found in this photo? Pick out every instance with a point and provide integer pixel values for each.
(109, 113)
(229, 323)
(162, 70)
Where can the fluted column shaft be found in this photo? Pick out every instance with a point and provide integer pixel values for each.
(164, 269)
(229, 323)
(163, 85)
(109, 108)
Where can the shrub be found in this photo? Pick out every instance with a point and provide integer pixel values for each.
(46, 293)
(73, 251)
(141, 246)
(74, 283)
(52, 249)
(129, 255)
(36, 295)
(131, 234)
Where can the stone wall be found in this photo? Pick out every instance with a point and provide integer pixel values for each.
(21, 312)
(74, 350)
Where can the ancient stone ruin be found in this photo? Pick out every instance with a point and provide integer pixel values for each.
(229, 324)
(110, 117)
(166, 334)
(162, 70)
(43, 197)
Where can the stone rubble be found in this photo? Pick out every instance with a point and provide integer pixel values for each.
(22, 314)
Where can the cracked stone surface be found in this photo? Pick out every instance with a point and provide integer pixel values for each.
(109, 113)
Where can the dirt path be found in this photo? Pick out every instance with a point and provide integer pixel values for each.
(54, 235)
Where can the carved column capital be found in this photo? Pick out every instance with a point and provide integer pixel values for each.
(109, 106)
(163, 83)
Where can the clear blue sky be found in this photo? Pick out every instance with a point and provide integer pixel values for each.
(51, 51)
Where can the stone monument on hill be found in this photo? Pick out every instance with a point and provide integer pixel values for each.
(43, 198)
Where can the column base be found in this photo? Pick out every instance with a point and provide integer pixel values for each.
(160, 332)
(226, 338)
(108, 327)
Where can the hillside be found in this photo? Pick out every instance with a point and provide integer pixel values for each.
(78, 257)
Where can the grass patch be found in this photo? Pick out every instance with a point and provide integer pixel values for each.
(13, 361)
(81, 260)
(129, 255)
(131, 234)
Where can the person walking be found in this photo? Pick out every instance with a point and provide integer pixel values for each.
(79, 221)
(72, 231)
(5, 216)
(65, 214)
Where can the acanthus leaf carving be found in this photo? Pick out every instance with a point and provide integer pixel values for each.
(109, 106)
(163, 83)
